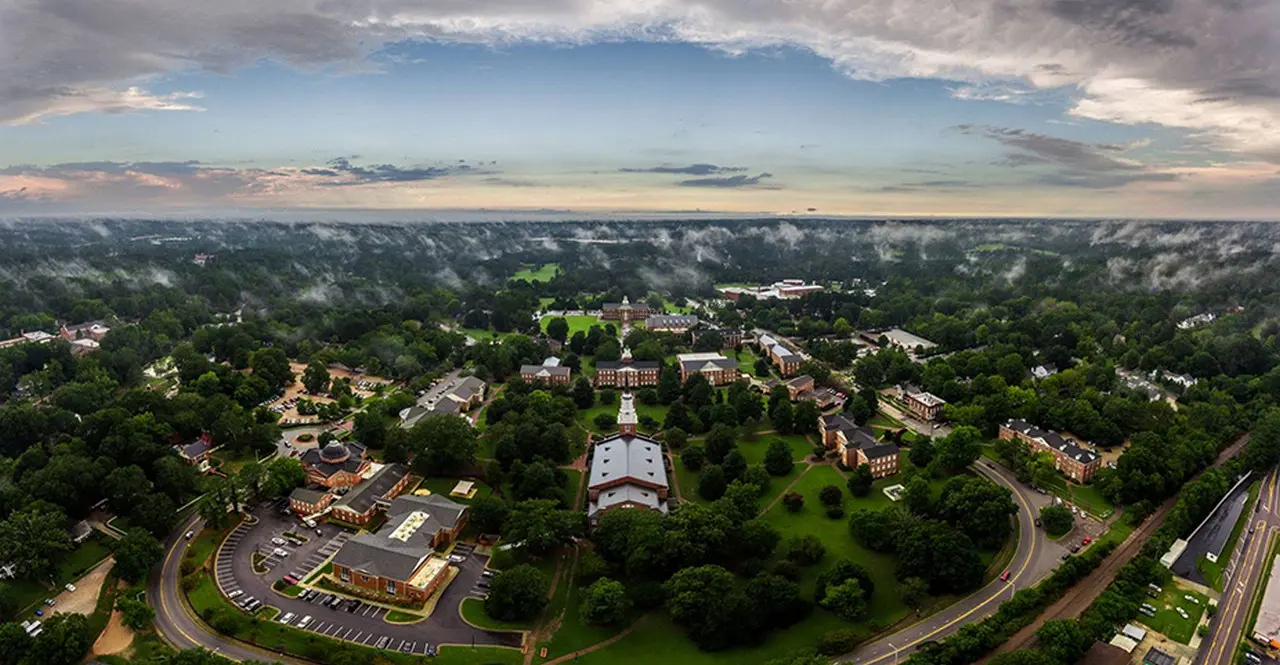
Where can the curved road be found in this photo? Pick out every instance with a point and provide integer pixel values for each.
(1036, 556)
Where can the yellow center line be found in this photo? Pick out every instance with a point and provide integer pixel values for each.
(164, 605)
(979, 606)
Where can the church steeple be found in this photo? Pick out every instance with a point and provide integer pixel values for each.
(627, 418)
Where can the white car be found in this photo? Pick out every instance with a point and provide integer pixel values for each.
(70, 587)
(278, 542)
(280, 552)
(1191, 598)
(1182, 613)
(457, 558)
(305, 621)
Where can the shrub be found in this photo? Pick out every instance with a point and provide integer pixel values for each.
(835, 512)
(803, 550)
(693, 458)
(829, 495)
(793, 501)
(836, 642)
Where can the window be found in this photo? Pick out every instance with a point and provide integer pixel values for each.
(391, 587)
(344, 574)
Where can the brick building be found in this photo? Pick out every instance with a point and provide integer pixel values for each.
(672, 323)
(549, 372)
(627, 372)
(858, 445)
(303, 501)
(782, 356)
(625, 311)
(1071, 459)
(730, 337)
(359, 504)
(336, 464)
(925, 406)
(398, 564)
(628, 470)
(718, 369)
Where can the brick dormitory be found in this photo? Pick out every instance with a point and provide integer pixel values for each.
(1070, 458)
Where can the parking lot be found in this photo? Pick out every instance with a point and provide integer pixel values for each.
(334, 616)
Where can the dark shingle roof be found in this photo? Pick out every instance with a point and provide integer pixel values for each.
(1054, 440)
(362, 497)
(313, 458)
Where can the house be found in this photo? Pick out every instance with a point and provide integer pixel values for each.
(398, 563)
(549, 372)
(1044, 371)
(728, 337)
(1183, 380)
(83, 347)
(336, 464)
(672, 323)
(80, 532)
(33, 337)
(786, 289)
(1155, 656)
(925, 406)
(303, 501)
(360, 503)
(628, 469)
(785, 358)
(625, 311)
(468, 393)
(1071, 459)
(858, 445)
(92, 330)
(627, 372)
(1196, 321)
(718, 369)
(799, 385)
(196, 451)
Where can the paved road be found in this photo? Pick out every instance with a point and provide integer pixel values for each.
(1242, 579)
(176, 622)
(1036, 556)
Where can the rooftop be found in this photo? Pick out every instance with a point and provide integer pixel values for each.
(630, 456)
(399, 548)
(1054, 440)
(361, 498)
(315, 459)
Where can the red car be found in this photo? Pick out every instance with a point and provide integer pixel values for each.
(1004, 577)
(1086, 540)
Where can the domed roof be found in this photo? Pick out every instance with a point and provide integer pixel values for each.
(334, 453)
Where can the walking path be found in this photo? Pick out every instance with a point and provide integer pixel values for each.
(598, 645)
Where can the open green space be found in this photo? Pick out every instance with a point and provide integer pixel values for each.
(586, 417)
(398, 616)
(473, 611)
(747, 362)
(577, 322)
(443, 486)
(573, 633)
(1168, 621)
(754, 450)
(543, 273)
(672, 308)
(884, 421)
(1212, 570)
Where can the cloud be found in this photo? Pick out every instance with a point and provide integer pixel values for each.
(727, 182)
(1210, 67)
(1089, 165)
(341, 172)
(692, 169)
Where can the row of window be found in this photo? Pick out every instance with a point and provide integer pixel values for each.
(345, 575)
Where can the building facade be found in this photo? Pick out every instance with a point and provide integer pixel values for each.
(729, 337)
(361, 503)
(670, 323)
(625, 311)
(336, 464)
(550, 372)
(718, 369)
(627, 372)
(925, 406)
(303, 501)
(398, 563)
(1070, 458)
(782, 356)
(858, 445)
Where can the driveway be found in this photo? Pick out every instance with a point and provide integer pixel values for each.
(365, 625)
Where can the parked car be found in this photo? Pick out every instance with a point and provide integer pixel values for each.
(1181, 612)
(306, 621)
(430, 649)
(406, 647)
(1190, 598)
(490, 573)
(382, 642)
(287, 618)
(278, 542)
(280, 552)
(70, 587)
(235, 594)
(1087, 540)
(50, 602)
(456, 558)
(1075, 548)
(1038, 522)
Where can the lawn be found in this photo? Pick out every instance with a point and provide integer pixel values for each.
(1168, 621)
(473, 611)
(586, 417)
(755, 450)
(573, 633)
(672, 308)
(885, 422)
(1084, 496)
(544, 273)
(443, 486)
(747, 363)
(202, 546)
(1213, 571)
(579, 322)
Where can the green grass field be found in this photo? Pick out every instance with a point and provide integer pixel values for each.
(747, 363)
(755, 450)
(544, 273)
(1085, 496)
(443, 486)
(473, 611)
(1212, 571)
(586, 417)
(576, 323)
(1168, 621)
(573, 633)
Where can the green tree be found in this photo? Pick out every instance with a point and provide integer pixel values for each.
(558, 329)
(734, 465)
(1056, 520)
(489, 513)
(541, 525)
(443, 444)
(805, 417)
(517, 594)
(271, 365)
(917, 496)
(125, 487)
(921, 452)
(34, 540)
(846, 600)
(805, 550)
(777, 459)
(315, 378)
(720, 440)
(675, 438)
(135, 613)
(14, 643)
(942, 556)
(960, 449)
(1064, 640)
(64, 640)
(861, 481)
(712, 482)
(830, 495)
(913, 591)
(709, 604)
(584, 396)
(605, 602)
(693, 458)
(979, 508)
(135, 554)
(781, 416)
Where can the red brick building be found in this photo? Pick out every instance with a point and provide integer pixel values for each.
(550, 372)
(925, 406)
(625, 311)
(336, 464)
(627, 372)
(628, 470)
(858, 445)
(359, 505)
(1070, 458)
(718, 369)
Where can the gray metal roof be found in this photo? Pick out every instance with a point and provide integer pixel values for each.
(630, 456)
(624, 494)
(539, 371)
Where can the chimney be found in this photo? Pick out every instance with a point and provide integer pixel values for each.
(627, 418)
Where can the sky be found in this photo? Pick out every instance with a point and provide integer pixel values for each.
(1072, 108)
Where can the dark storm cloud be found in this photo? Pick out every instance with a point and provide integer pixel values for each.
(347, 173)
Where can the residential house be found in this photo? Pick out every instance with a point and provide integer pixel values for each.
(925, 406)
(628, 469)
(80, 531)
(729, 338)
(303, 501)
(336, 464)
(1196, 321)
(398, 563)
(92, 330)
(1071, 459)
(33, 337)
(780, 354)
(83, 347)
(360, 503)
(1041, 372)
(671, 323)
(627, 372)
(1182, 380)
(718, 369)
(858, 445)
(625, 311)
(196, 451)
(549, 372)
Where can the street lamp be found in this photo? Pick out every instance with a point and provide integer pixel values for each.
(895, 651)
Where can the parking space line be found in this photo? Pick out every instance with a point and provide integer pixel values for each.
(356, 638)
(344, 635)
